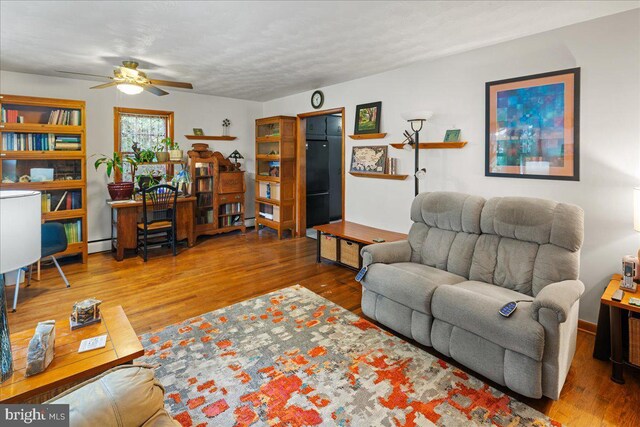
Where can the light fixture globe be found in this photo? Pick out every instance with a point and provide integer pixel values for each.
(422, 115)
(129, 88)
(421, 174)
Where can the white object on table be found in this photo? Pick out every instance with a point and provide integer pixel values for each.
(92, 343)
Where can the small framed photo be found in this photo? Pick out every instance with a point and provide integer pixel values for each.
(198, 131)
(452, 135)
(368, 118)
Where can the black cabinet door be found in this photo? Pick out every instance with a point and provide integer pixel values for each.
(316, 126)
(317, 166)
(335, 177)
(317, 209)
(334, 125)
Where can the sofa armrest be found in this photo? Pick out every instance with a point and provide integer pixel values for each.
(558, 297)
(386, 253)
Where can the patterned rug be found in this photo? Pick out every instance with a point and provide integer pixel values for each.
(293, 358)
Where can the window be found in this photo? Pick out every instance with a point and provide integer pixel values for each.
(144, 127)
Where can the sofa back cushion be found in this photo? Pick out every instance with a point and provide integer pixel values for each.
(527, 243)
(445, 230)
(518, 243)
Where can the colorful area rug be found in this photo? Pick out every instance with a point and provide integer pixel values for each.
(293, 358)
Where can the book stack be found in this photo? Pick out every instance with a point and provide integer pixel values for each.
(204, 185)
(65, 143)
(228, 221)
(64, 117)
(230, 208)
(11, 116)
(69, 200)
(73, 230)
(392, 165)
(12, 141)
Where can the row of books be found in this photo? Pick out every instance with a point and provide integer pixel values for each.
(11, 116)
(227, 221)
(204, 216)
(73, 230)
(205, 200)
(68, 200)
(230, 208)
(204, 169)
(65, 117)
(204, 184)
(12, 141)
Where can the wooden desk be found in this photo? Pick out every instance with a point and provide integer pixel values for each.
(615, 307)
(352, 233)
(68, 366)
(125, 216)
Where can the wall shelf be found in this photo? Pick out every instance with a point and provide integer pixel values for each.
(368, 136)
(212, 137)
(433, 145)
(379, 175)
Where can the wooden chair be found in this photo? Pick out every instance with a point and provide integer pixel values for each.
(158, 226)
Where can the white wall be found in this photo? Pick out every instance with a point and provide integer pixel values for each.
(608, 52)
(190, 110)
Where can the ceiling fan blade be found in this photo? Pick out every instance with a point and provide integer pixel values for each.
(104, 85)
(155, 90)
(169, 83)
(83, 74)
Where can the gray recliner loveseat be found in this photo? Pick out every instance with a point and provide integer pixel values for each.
(465, 258)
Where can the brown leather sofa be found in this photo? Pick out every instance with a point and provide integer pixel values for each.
(128, 395)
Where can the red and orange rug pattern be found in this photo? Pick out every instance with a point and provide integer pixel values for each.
(293, 358)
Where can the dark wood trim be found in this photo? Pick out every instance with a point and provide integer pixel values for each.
(587, 327)
(301, 163)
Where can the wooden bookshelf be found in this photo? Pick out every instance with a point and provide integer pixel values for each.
(219, 191)
(32, 145)
(275, 195)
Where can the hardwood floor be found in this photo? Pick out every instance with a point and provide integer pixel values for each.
(223, 270)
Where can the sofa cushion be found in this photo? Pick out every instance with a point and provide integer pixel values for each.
(473, 306)
(408, 283)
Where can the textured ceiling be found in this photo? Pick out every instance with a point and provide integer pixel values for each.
(266, 50)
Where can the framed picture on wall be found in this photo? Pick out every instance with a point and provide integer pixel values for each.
(369, 159)
(368, 118)
(532, 126)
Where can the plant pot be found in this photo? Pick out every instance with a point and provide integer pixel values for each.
(175, 155)
(120, 190)
(162, 156)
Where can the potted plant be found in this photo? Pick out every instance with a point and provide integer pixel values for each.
(147, 180)
(143, 156)
(117, 190)
(175, 153)
(161, 153)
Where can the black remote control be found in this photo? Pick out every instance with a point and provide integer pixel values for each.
(508, 309)
(361, 274)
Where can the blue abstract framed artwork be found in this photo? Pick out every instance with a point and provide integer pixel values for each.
(532, 126)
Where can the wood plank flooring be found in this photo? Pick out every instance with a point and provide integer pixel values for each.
(223, 270)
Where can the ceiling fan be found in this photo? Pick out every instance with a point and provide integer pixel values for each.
(128, 79)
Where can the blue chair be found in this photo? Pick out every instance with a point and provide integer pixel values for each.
(53, 239)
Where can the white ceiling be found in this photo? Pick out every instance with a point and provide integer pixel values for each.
(266, 50)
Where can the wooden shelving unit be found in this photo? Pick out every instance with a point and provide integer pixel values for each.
(276, 173)
(31, 145)
(379, 175)
(368, 136)
(211, 137)
(219, 191)
(433, 145)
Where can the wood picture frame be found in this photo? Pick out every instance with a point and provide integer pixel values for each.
(532, 126)
(369, 159)
(368, 118)
(198, 132)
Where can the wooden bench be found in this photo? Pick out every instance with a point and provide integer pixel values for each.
(340, 242)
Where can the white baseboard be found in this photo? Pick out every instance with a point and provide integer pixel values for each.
(99, 246)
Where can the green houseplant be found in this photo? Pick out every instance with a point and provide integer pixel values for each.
(161, 152)
(175, 153)
(117, 190)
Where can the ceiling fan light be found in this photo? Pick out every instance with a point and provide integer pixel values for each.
(129, 88)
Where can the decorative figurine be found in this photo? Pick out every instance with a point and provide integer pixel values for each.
(85, 313)
(41, 348)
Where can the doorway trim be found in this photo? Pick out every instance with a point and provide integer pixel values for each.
(301, 167)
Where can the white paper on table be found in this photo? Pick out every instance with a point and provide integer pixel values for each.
(92, 343)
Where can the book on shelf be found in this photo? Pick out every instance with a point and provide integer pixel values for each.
(11, 116)
(228, 221)
(204, 169)
(73, 230)
(64, 117)
(54, 202)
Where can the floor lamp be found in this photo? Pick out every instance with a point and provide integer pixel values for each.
(417, 119)
(20, 246)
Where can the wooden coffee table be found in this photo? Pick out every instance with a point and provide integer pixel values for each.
(68, 366)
